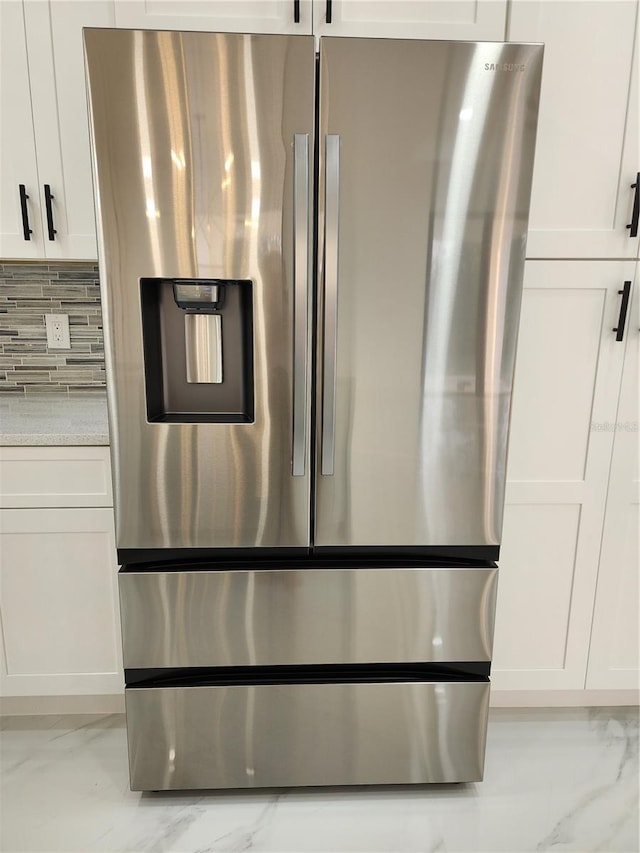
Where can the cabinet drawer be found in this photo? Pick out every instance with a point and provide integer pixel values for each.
(306, 616)
(55, 477)
(353, 733)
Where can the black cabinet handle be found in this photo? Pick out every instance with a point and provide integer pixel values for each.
(25, 213)
(624, 305)
(296, 11)
(48, 195)
(633, 225)
(329, 15)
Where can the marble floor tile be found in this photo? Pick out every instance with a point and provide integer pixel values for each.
(555, 779)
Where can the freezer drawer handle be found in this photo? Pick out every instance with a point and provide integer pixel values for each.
(633, 225)
(624, 305)
(329, 15)
(25, 212)
(48, 196)
(331, 225)
(301, 295)
(296, 11)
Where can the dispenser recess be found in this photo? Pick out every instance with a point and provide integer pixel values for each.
(198, 350)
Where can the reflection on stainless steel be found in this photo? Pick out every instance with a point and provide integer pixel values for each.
(306, 734)
(203, 340)
(309, 616)
(195, 184)
(435, 173)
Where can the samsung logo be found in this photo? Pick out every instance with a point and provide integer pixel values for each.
(503, 66)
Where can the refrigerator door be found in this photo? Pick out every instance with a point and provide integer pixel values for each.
(203, 151)
(426, 152)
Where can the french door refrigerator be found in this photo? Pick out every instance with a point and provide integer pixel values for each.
(311, 272)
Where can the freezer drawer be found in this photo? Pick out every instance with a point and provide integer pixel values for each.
(307, 616)
(306, 734)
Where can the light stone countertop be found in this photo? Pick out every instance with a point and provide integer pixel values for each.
(53, 419)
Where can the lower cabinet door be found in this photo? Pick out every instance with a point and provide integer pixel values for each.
(291, 734)
(58, 605)
(566, 387)
(614, 653)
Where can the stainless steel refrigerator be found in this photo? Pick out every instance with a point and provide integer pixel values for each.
(311, 269)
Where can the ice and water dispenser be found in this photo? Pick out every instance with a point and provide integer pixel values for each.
(198, 349)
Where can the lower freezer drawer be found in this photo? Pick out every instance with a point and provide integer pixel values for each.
(285, 735)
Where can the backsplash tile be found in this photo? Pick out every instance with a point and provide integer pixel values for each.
(28, 292)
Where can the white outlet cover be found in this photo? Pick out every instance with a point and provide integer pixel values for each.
(57, 331)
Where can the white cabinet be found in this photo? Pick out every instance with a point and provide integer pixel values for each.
(567, 614)
(614, 654)
(58, 574)
(230, 16)
(45, 129)
(567, 383)
(587, 153)
(437, 19)
(467, 20)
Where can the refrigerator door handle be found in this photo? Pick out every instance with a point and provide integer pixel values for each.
(331, 225)
(301, 295)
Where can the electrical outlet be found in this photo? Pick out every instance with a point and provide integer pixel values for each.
(57, 331)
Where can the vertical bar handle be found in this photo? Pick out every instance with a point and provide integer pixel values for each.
(48, 196)
(300, 297)
(27, 232)
(296, 11)
(329, 12)
(330, 346)
(633, 225)
(624, 306)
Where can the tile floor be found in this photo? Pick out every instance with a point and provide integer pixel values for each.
(556, 779)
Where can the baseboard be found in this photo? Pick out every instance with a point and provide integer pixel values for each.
(114, 704)
(562, 698)
(31, 705)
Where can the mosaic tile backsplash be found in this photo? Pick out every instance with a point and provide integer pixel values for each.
(27, 293)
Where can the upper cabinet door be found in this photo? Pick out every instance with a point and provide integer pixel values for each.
(46, 191)
(20, 234)
(587, 154)
(467, 20)
(58, 99)
(230, 16)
